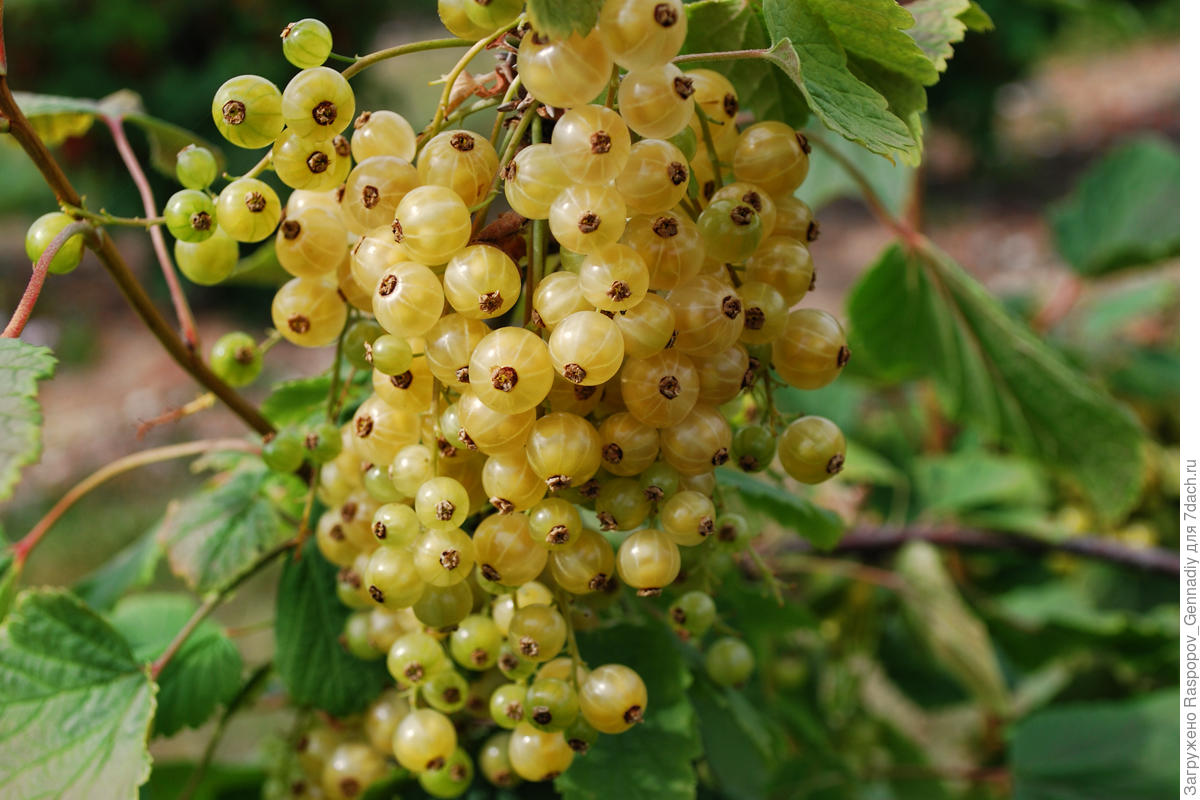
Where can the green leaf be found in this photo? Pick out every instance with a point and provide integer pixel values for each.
(75, 705)
(737, 744)
(844, 103)
(957, 638)
(717, 25)
(22, 365)
(651, 761)
(876, 30)
(921, 315)
(1071, 602)
(864, 465)
(132, 568)
(976, 19)
(937, 26)
(220, 782)
(1127, 750)
(821, 527)
(558, 19)
(959, 482)
(1124, 212)
(905, 96)
(314, 667)
(204, 673)
(214, 536)
(297, 402)
(57, 119)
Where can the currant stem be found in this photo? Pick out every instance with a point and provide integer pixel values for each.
(362, 62)
(564, 608)
(33, 290)
(104, 218)
(211, 603)
(710, 147)
(478, 47)
(499, 123)
(335, 373)
(260, 167)
(510, 150)
(26, 545)
(182, 311)
(725, 55)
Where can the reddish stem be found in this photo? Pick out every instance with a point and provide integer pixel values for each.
(186, 322)
(37, 280)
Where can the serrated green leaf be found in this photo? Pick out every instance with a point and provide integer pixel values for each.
(922, 315)
(314, 667)
(214, 536)
(204, 673)
(296, 402)
(1127, 750)
(75, 705)
(957, 638)
(976, 19)
(57, 119)
(845, 104)
(905, 96)
(937, 26)
(716, 25)
(951, 484)
(22, 365)
(558, 19)
(651, 761)
(131, 568)
(821, 527)
(737, 744)
(878, 30)
(1124, 212)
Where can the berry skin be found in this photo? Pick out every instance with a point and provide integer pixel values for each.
(656, 102)
(284, 450)
(551, 704)
(42, 232)
(452, 779)
(731, 230)
(307, 43)
(247, 111)
(587, 348)
(390, 354)
(613, 699)
(648, 327)
(773, 156)
(689, 517)
(354, 343)
(408, 299)
(537, 632)
(511, 371)
(314, 165)
(693, 613)
(236, 358)
(311, 242)
(433, 223)
(538, 755)
(373, 189)
(565, 72)
(382, 133)
(459, 160)
(671, 246)
(308, 312)
(351, 768)
(614, 278)
(424, 740)
(729, 662)
(648, 560)
(655, 179)
(481, 282)
(248, 210)
(190, 215)
(811, 350)
(785, 264)
(195, 167)
(812, 449)
(475, 644)
(493, 756)
(585, 219)
(642, 34)
(317, 103)
(660, 390)
(506, 551)
(753, 448)
(592, 144)
(533, 179)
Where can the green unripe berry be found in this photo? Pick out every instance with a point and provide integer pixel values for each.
(732, 531)
(446, 691)
(551, 704)
(729, 661)
(452, 779)
(354, 343)
(208, 262)
(693, 613)
(42, 232)
(753, 448)
(191, 215)
(391, 355)
(283, 451)
(195, 167)
(323, 443)
(307, 43)
(236, 358)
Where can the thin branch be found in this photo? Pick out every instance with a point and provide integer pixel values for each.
(861, 540)
(443, 106)
(211, 603)
(186, 322)
(510, 150)
(362, 62)
(112, 261)
(726, 55)
(706, 132)
(25, 546)
(870, 197)
(37, 280)
(104, 218)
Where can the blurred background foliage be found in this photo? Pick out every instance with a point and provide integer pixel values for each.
(919, 674)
